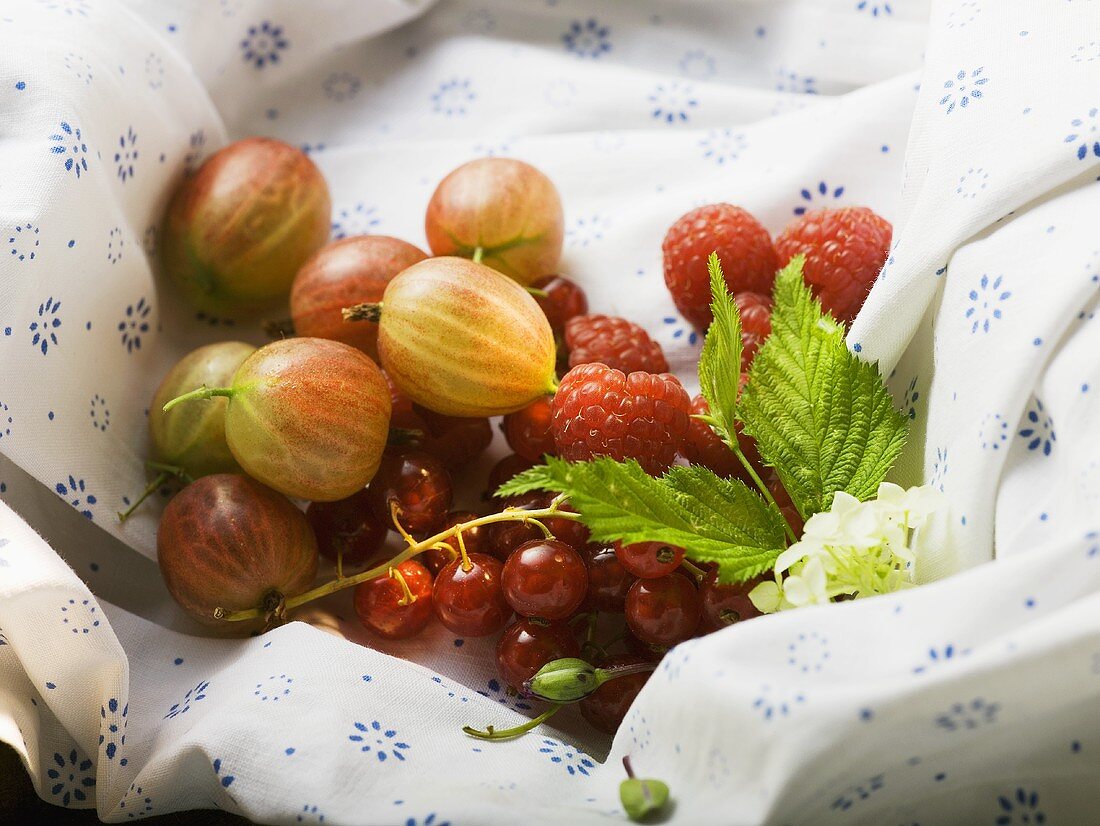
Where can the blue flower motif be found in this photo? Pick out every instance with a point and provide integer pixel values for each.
(136, 802)
(1092, 543)
(453, 97)
(226, 779)
(341, 86)
(6, 420)
(80, 617)
(588, 38)
(154, 70)
(672, 102)
(912, 396)
(450, 693)
(680, 328)
(100, 414)
(939, 468)
(1038, 429)
(938, 656)
(192, 696)
(1019, 808)
(357, 220)
(134, 325)
(273, 688)
(722, 146)
(77, 495)
(824, 193)
(964, 14)
(111, 739)
(875, 9)
(993, 432)
(966, 716)
(150, 241)
(971, 183)
(576, 762)
(79, 66)
(771, 703)
(24, 241)
(809, 652)
(962, 88)
(70, 777)
(1085, 134)
(986, 303)
(587, 230)
(263, 44)
(697, 63)
(857, 792)
(430, 820)
(791, 81)
(384, 745)
(127, 154)
(72, 8)
(505, 696)
(115, 243)
(70, 144)
(310, 814)
(45, 328)
(196, 146)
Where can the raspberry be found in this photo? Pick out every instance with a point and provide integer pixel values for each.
(845, 249)
(743, 245)
(616, 342)
(703, 447)
(599, 411)
(756, 323)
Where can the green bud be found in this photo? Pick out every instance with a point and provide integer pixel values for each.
(642, 798)
(565, 681)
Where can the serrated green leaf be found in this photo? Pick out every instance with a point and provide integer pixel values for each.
(720, 361)
(713, 519)
(534, 478)
(821, 416)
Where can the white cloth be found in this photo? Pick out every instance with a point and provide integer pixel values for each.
(969, 700)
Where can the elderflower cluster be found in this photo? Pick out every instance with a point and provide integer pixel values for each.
(855, 549)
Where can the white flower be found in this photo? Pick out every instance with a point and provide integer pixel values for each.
(808, 586)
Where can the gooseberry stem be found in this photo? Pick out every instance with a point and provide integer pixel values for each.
(479, 253)
(363, 312)
(279, 328)
(332, 586)
(159, 480)
(535, 291)
(203, 392)
(490, 733)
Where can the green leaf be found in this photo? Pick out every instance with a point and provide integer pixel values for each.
(821, 416)
(720, 361)
(712, 519)
(535, 478)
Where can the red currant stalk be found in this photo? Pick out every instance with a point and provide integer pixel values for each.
(554, 510)
(734, 445)
(560, 682)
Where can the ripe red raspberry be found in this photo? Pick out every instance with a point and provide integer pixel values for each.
(743, 245)
(844, 248)
(599, 411)
(703, 447)
(756, 323)
(616, 342)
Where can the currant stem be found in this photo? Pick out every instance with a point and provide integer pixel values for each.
(479, 253)
(395, 512)
(150, 489)
(332, 586)
(490, 733)
(693, 569)
(409, 597)
(340, 563)
(628, 767)
(363, 312)
(203, 392)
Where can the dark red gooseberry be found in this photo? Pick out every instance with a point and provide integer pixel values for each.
(347, 528)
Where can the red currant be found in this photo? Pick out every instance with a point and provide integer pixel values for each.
(545, 578)
(608, 581)
(504, 470)
(507, 536)
(528, 645)
(454, 440)
(607, 706)
(471, 602)
(528, 430)
(649, 560)
(384, 607)
(419, 484)
(475, 540)
(564, 299)
(347, 528)
(726, 604)
(663, 611)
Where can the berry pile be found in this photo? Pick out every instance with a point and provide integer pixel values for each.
(389, 388)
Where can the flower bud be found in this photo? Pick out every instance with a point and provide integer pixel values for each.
(565, 681)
